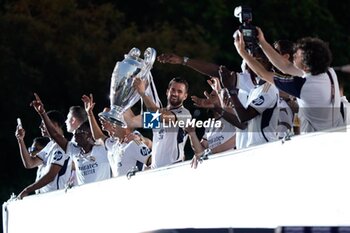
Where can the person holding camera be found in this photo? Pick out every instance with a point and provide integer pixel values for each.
(312, 81)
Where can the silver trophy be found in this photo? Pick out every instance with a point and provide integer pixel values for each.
(122, 94)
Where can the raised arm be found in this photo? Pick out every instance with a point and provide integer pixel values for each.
(53, 133)
(225, 111)
(140, 86)
(96, 131)
(282, 63)
(28, 161)
(253, 64)
(202, 67)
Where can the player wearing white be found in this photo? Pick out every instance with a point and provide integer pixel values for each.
(124, 156)
(262, 128)
(55, 164)
(52, 154)
(90, 161)
(216, 137)
(168, 142)
(91, 166)
(126, 149)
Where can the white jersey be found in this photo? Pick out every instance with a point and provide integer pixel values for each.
(285, 119)
(124, 156)
(168, 142)
(92, 166)
(218, 136)
(244, 82)
(313, 92)
(38, 175)
(262, 128)
(245, 85)
(51, 154)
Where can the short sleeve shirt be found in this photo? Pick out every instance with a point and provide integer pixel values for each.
(90, 167)
(168, 142)
(53, 154)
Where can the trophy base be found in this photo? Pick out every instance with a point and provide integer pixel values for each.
(117, 120)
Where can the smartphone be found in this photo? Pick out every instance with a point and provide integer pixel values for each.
(19, 123)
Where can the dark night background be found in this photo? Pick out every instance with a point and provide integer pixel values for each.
(63, 49)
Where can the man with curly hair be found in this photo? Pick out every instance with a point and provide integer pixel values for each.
(312, 81)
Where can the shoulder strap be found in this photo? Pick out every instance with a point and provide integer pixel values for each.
(332, 94)
(332, 86)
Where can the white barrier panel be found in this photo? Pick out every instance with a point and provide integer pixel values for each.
(302, 182)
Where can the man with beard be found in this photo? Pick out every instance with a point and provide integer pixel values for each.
(168, 142)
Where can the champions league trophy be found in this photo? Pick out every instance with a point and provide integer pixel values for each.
(122, 94)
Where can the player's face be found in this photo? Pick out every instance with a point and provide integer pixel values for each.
(81, 136)
(176, 94)
(69, 122)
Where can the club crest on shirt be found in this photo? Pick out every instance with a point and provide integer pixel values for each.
(57, 155)
(259, 101)
(144, 151)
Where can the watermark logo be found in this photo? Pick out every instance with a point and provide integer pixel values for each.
(151, 120)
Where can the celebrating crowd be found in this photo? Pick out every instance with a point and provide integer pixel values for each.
(278, 85)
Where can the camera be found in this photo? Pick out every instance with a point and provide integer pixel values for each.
(249, 32)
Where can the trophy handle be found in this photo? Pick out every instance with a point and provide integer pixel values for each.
(134, 52)
(149, 57)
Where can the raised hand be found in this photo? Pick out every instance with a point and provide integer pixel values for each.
(228, 78)
(37, 104)
(88, 103)
(239, 42)
(214, 82)
(140, 86)
(214, 98)
(131, 136)
(20, 133)
(170, 58)
(260, 35)
(201, 102)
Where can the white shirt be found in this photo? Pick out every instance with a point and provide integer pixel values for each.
(168, 143)
(51, 154)
(245, 85)
(124, 156)
(92, 166)
(313, 92)
(218, 136)
(285, 120)
(262, 128)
